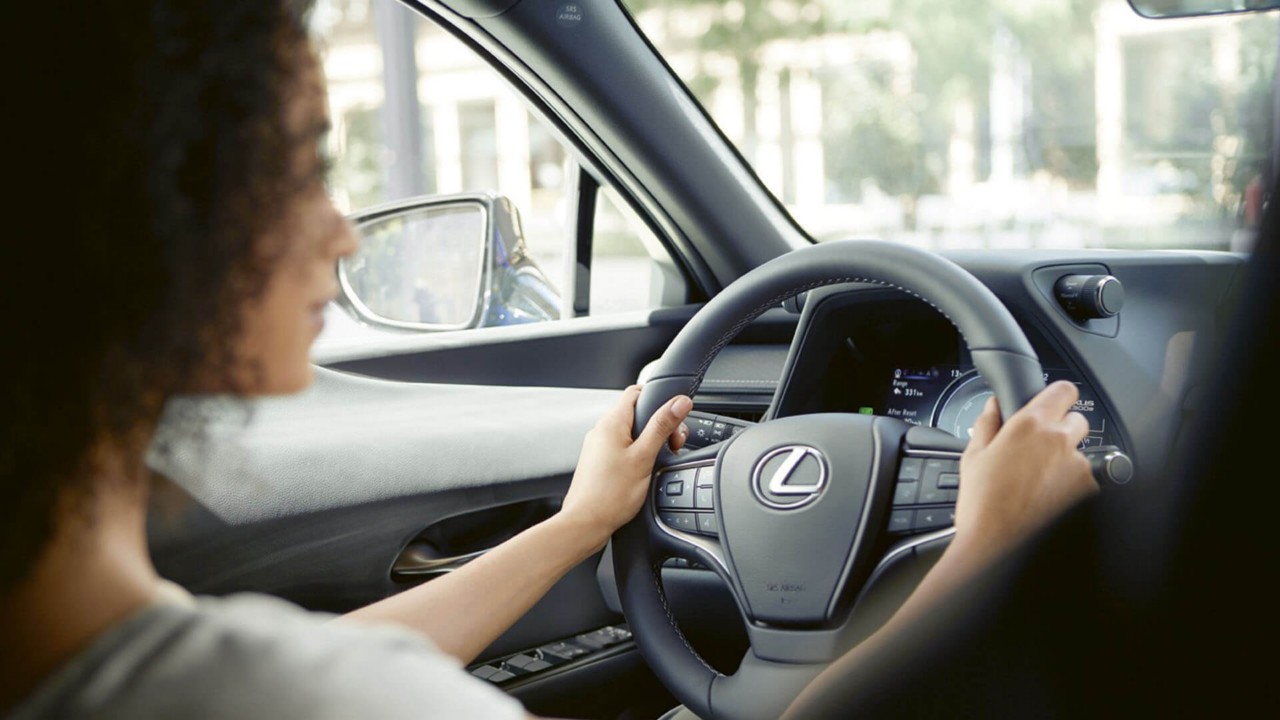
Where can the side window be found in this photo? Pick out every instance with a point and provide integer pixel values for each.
(417, 115)
(630, 270)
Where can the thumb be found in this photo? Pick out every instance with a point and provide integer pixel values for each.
(986, 426)
(663, 423)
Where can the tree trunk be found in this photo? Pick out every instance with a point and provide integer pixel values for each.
(748, 77)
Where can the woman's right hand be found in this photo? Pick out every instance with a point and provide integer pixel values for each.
(1018, 477)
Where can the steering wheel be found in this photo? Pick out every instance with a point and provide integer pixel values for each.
(794, 509)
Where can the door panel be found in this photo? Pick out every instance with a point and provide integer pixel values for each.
(313, 497)
(599, 352)
(593, 352)
(350, 441)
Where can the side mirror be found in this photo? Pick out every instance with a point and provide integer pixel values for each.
(1197, 8)
(444, 263)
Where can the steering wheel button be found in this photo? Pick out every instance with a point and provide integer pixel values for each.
(934, 518)
(930, 494)
(704, 498)
(675, 488)
(949, 480)
(676, 494)
(905, 493)
(933, 467)
(900, 521)
(706, 476)
(707, 524)
(679, 521)
(686, 475)
(910, 469)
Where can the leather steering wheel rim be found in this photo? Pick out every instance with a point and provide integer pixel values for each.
(999, 349)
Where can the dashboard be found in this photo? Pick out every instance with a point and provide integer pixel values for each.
(864, 349)
(877, 353)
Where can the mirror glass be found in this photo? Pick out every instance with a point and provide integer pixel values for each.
(1190, 8)
(420, 267)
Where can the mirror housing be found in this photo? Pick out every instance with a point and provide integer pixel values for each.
(1197, 8)
(445, 262)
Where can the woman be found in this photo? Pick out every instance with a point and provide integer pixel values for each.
(195, 253)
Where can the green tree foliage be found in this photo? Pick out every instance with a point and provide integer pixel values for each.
(360, 172)
(953, 44)
(870, 134)
(900, 142)
(1188, 129)
(740, 30)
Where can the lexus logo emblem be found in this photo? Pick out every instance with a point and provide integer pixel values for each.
(789, 477)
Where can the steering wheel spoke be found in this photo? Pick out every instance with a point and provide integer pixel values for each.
(682, 510)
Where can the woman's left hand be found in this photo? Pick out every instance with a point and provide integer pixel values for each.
(612, 478)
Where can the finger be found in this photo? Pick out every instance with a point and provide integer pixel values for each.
(623, 412)
(679, 438)
(663, 423)
(1077, 426)
(1054, 401)
(986, 426)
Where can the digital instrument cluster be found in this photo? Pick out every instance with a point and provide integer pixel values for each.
(951, 397)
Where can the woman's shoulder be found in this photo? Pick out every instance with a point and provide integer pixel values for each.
(254, 655)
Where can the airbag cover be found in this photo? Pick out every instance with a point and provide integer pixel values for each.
(791, 497)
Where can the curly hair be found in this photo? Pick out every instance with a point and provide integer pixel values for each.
(153, 155)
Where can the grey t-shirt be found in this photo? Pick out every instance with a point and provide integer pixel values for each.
(248, 656)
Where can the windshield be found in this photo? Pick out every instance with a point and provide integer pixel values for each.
(987, 123)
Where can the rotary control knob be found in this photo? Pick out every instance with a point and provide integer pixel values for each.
(1089, 297)
(1110, 464)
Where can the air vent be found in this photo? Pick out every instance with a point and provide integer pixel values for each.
(750, 415)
